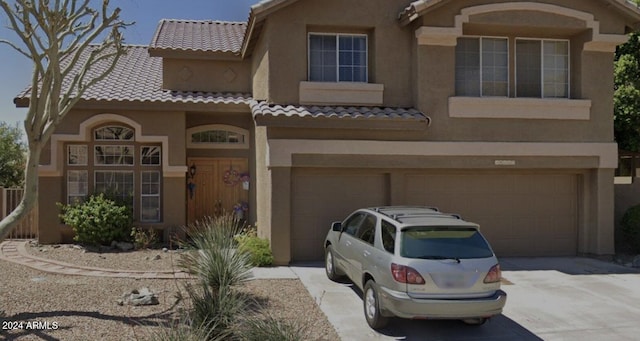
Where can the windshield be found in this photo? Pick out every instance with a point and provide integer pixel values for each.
(431, 242)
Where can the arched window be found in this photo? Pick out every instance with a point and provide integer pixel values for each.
(115, 163)
(217, 136)
(114, 133)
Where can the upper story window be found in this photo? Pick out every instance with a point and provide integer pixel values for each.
(338, 57)
(482, 67)
(542, 68)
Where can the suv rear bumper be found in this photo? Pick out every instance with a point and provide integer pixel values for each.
(402, 305)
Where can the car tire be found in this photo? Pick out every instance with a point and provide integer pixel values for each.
(475, 321)
(371, 305)
(330, 264)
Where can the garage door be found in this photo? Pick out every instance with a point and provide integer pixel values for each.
(321, 197)
(520, 214)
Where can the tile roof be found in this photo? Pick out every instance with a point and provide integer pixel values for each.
(138, 78)
(199, 35)
(266, 109)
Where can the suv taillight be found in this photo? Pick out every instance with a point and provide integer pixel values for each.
(494, 274)
(405, 274)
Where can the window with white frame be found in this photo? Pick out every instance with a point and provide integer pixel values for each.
(150, 155)
(77, 186)
(118, 185)
(542, 68)
(338, 57)
(482, 66)
(150, 196)
(77, 155)
(109, 164)
(217, 136)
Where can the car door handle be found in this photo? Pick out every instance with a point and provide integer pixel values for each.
(366, 253)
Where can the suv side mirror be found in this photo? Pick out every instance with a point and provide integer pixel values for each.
(336, 226)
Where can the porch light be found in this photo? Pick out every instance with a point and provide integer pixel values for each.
(192, 170)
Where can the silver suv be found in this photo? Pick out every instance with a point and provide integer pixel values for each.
(416, 263)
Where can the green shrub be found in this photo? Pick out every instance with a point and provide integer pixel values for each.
(257, 248)
(630, 228)
(144, 238)
(98, 221)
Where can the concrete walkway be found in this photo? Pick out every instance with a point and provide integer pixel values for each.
(15, 251)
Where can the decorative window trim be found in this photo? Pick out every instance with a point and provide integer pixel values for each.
(214, 145)
(55, 167)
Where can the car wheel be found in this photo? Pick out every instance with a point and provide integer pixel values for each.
(372, 307)
(476, 321)
(330, 264)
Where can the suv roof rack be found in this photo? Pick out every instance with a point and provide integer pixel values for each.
(397, 216)
(434, 215)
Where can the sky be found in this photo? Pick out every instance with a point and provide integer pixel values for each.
(16, 69)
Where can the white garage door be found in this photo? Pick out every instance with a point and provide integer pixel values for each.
(520, 214)
(321, 197)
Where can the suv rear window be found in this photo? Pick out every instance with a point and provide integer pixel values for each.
(431, 242)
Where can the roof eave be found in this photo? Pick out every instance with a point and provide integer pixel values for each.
(193, 54)
(259, 12)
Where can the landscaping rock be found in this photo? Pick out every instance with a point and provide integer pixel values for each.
(157, 257)
(124, 246)
(164, 249)
(636, 262)
(140, 297)
(77, 247)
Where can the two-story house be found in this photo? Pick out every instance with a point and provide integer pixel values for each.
(500, 111)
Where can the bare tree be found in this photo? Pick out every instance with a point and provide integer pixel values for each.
(57, 36)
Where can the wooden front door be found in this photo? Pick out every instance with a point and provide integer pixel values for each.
(218, 187)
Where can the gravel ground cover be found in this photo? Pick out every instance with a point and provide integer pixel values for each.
(147, 260)
(85, 308)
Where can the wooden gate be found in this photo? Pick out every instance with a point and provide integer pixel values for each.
(28, 226)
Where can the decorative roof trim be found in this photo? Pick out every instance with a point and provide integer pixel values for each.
(446, 36)
(418, 8)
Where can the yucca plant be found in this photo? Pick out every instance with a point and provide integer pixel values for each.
(216, 260)
(218, 311)
(179, 331)
(269, 328)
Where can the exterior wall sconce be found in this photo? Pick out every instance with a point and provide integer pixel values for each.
(192, 171)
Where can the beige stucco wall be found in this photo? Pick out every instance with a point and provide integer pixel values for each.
(260, 65)
(286, 40)
(206, 75)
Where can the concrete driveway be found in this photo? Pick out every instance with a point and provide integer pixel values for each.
(549, 299)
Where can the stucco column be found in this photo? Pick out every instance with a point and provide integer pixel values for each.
(603, 205)
(49, 193)
(281, 215)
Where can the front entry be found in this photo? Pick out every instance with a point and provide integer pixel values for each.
(217, 186)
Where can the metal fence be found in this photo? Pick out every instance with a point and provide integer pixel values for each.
(28, 226)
